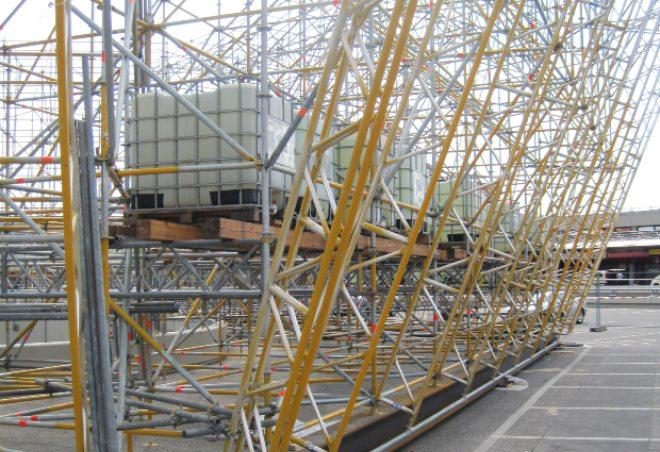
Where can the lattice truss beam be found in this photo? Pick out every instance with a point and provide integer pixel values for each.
(353, 301)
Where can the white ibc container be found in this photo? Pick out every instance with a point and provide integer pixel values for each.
(510, 221)
(164, 133)
(343, 152)
(300, 133)
(466, 205)
(409, 186)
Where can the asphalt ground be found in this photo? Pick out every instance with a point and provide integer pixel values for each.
(603, 396)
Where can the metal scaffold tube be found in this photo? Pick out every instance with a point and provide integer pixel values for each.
(302, 224)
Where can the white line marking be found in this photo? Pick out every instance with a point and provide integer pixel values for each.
(630, 374)
(620, 346)
(520, 412)
(585, 438)
(595, 408)
(621, 354)
(618, 363)
(605, 387)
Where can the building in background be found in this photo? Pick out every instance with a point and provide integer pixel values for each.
(633, 251)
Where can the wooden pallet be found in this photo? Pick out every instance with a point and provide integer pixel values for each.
(239, 231)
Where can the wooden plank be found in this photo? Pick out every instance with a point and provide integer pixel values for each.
(309, 241)
(232, 229)
(126, 230)
(169, 231)
(460, 253)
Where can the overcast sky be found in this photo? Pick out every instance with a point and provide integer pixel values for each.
(645, 190)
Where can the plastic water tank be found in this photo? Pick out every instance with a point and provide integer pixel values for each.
(466, 205)
(409, 185)
(164, 133)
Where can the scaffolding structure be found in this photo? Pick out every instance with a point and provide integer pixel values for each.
(352, 315)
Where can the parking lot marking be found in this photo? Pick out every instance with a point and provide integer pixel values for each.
(515, 417)
(594, 408)
(604, 387)
(622, 354)
(585, 438)
(619, 346)
(630, 374)
(618, 363)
